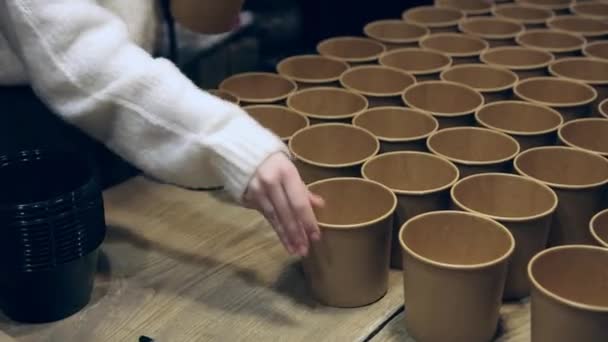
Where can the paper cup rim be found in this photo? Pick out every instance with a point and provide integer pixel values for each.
(260, 100)
(490, 36)
(370, 25)
(517, 92)
(519, 133)
(455, 35)
(444, 115)
(560, 134)
(326, 117)
(484, 59)
(577, 47)
(436, 70)
(583, 59)
(370, 58)
(497, 8)
(515, 78)
(311, 80)
(444, 24)
(593, 231)
(377, 67)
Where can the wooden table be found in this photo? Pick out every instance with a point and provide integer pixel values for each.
(181, 265)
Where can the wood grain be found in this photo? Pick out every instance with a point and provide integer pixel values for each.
(181, 265)
(514, 326)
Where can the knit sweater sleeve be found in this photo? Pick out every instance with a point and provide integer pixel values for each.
(81, 63)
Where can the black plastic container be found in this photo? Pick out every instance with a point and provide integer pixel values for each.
(51, 226)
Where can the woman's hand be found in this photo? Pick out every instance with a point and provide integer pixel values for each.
(277, 191)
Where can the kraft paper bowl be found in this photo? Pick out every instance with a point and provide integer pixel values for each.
(494, 83)
(259, 87)
(327, 104)
(225, 95)
(532, 125)
(529, 16)
(521, 204)
(462, 48)
(599, 228)
(332, 151)
(591, 29)
(559, 7)
(475, 150)
(597, 50)
(349, 267)
(435, 19)
(572, 99)
(589, 134)
(579, 178)
(525, 62)
(591, 9)
(458, 258)
(471, 8)
(281, 120)
(421, 181)
(424, 65)
(496, 31)
(569, 301)
(312, 70)
(352, 50)
(560, 44)
(206, 16)
(381, 85)
(398, 128)
(452, 104)
(396, 34)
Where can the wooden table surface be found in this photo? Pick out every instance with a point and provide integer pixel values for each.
(181, 265)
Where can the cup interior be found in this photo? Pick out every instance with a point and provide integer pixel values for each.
(504, 196)
(454, 44)
(555, 91)
(473, 145)
(603, 107)
(467, 6)
(395, 31)
(550, 40)
(351, 48)
(589, 134)
(312, 68)
(517, 117)
(282, 121)
(573, 274)
(397, 123)
(491, 27)
(327, 103)
(523, 13)
(334, 145)
(456, 239)
(588, 70)
(416, 61)
(411, 172)
(597, 49)
(517, 58)
(551, 4)
(563, 166)
(377, 80)
(579, 25)
(258, 87)
(352, 202)
(599, 227)
(433, 16)
(591, 9)
(481, 77)
(443, 98)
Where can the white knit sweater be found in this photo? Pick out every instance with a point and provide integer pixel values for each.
(91, 69)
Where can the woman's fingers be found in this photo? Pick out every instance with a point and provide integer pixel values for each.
(300, 203)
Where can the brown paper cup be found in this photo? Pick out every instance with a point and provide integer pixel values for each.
(396, 34)
(597, 50)
(529, 16)
(603, 108)
(532, 125)
(599, 228)
(589, 134)
(591, 29)
(494, 83)
(587, 70)
(352, 50)
(312, 70)
(525, 62)
(206, 16)
(425, 65)
(462, 48)
(259, 87)
(560, 44)
(578, 177)
(569, 301)
(332, 151)
(421, 181)
(496, 31)
(475, 150)
(224, 95)
(327, 104)
(559, 7)
(591, 9)
(452, 104)
(282, 121)
(398, 128)
(349, 266)
(457, 258)
(381, 85)
(470, 8)
(572, 99)
(435, 19)
(521, 204)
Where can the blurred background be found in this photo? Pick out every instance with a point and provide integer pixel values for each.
(274, 29)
